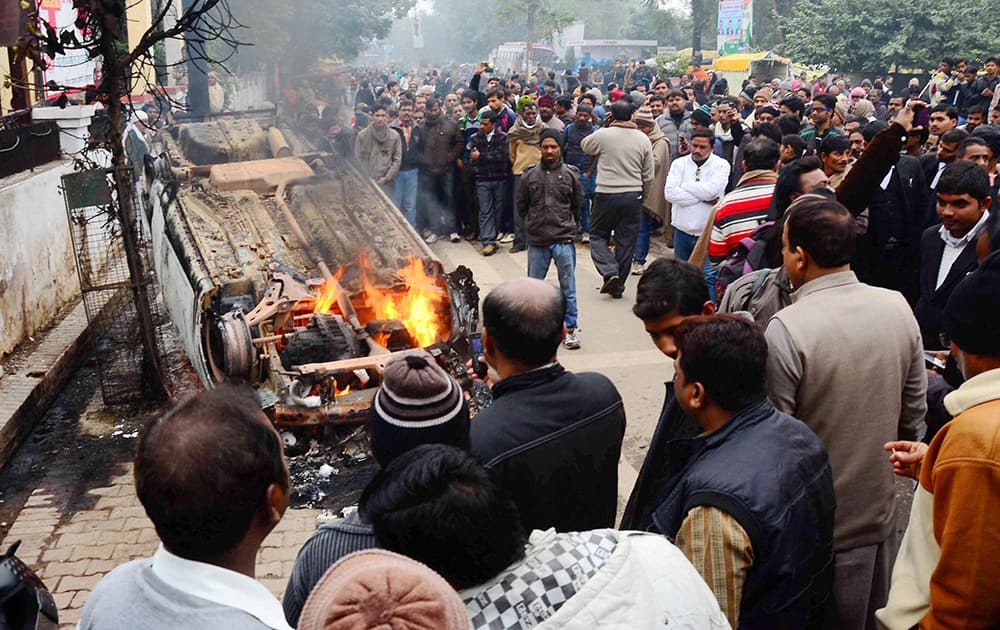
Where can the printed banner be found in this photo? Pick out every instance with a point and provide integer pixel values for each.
(735, 26)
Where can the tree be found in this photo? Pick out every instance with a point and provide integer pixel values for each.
(545, 18)
(889, 35)
(102, 24)
(296, 34)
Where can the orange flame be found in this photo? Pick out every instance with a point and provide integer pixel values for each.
(328, 294)
(340, 392)
(417, 308)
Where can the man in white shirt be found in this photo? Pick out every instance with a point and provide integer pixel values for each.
(212, 478)
(695, 183)
(948, 251)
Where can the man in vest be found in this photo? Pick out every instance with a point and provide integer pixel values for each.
(752, 502)
(847, 360)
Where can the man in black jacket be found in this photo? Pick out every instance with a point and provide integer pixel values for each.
(948, 251)
(670, 292)
(548, 202)
(552, 438)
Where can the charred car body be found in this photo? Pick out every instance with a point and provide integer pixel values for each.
(283, 266)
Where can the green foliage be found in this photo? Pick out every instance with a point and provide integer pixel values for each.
(672, 65)
(669, 27)
(884, 35)
(302, 32)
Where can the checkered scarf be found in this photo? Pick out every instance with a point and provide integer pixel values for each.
(554, 569)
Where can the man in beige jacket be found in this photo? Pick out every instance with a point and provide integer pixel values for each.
(654, 204)
(847, 359)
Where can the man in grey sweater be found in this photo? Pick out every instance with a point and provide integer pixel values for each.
(212, 478)
(624, 174)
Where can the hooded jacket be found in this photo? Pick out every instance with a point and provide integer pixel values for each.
(597, 579)
(946, 573)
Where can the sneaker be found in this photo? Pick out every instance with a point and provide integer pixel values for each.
(585, 238)
(489, 250)
(572, 342)
(431, 238)
(611, 285)
(517, 248)
(454, 237)
(506, 237)
(638, 268)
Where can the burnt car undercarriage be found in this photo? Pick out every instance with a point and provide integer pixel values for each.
(283, 266)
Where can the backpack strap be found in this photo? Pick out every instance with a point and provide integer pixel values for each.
(760, 282)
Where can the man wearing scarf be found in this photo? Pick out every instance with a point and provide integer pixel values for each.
(524, 139)
(379, 149)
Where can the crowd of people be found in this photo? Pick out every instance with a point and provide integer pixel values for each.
(830, 311)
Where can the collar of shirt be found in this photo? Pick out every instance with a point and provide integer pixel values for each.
(958, 243)
(490, 135)
(221, 586)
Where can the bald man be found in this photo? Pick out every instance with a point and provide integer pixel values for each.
(212, 478)
(552, 437)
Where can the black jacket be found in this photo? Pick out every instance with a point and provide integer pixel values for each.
(494, 156)
(413, 151)
(930, 307)
(770, 472)
(672, 425)
(553, 439)
(443, 144)
(549, 202)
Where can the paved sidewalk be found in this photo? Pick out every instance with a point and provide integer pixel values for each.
(72, 549)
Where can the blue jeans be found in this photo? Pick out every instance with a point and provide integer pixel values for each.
(490, 202)
(683, 244)
(711, 273)
(564, 255)
(405, 194)
(589, 185)
(642, 240)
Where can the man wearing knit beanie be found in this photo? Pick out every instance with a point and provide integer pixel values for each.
(417, 403)
(382, 589)
(548, 203)
(654, 204)
(956, 506)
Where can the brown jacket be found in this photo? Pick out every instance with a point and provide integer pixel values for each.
(846, 359)
(654, 202)
(443, 144)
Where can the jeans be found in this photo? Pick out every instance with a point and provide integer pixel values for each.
(490, 201)
(642, 240)
(589, 185)
(405, 194)
(471, 200)
(711, 273)
(564, 255)
(436, 191)
(618, 213)
(683, 244)
(518, 219)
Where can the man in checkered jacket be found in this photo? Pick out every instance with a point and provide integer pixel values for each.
(439, 506)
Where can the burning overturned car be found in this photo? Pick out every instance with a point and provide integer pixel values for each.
(283, 266)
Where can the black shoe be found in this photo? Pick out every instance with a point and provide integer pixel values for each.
(618, 294)
(612, 285)
(517, 248)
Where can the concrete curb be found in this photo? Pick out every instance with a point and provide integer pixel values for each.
(25, 396)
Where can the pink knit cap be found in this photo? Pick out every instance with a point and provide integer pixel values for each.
(381, 590)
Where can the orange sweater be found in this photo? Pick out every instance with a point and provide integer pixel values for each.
(962, 472)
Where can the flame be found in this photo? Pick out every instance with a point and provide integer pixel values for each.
(417, 307)
(340, 392)
(328, 294)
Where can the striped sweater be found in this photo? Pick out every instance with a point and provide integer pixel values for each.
(740, 213)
